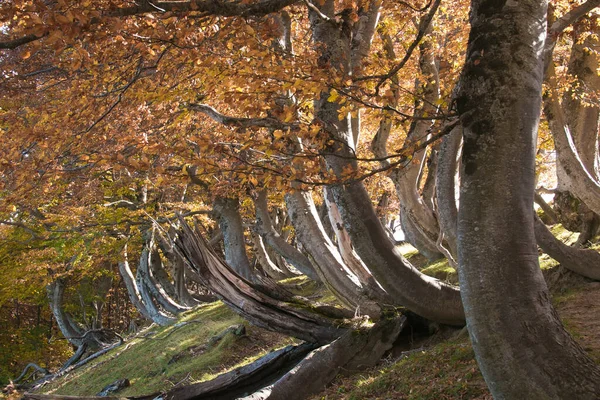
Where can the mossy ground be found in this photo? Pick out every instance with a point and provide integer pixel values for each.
(174, 354)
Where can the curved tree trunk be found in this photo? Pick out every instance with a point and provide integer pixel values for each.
(231, 225)
(265, 228)
(583, 118)
(181, 291)
(70, 330)
(155, 289)
(132, 289)
(350, 257)
(159, 273)
(268, 266)
(416, 216)
(520, 344)
(446, 189)
(585, 262)
(574, 177)
(356, 350)
(423, 295)
(142, 283)
(334, 272)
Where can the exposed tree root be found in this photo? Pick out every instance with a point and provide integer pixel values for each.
(355, 350)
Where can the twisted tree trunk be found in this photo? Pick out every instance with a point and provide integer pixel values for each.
(268, 310)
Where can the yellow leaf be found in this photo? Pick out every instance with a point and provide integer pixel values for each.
(333, 96)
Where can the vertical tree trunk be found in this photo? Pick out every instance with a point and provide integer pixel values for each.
(520, 344)
(230, 222)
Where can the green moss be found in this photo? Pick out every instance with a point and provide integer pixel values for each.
(169, 355)
(442, 270)
(547, 263)
(563, 234)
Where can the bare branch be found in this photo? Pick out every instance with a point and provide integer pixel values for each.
(572, 16)
(556, 28)
(425, 22)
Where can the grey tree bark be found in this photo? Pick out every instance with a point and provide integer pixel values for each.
(520, 344)
(585, 262)
(268, 266)
(232, 227)
(69, 328)
(270, 310)
(447, 209)
(145, 290)
(331, 267)
(132, 289)
(265, 228)
(416, 217)
(424, 295)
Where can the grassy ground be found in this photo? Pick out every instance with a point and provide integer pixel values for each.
(433, 368)
(160, 358)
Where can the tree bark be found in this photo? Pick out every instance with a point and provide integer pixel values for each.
(287, 316)
(265, 228)
(446, 189)
(70, 330)
(355, 350)
(522, 348)
(141, 281)
(424, 295)
(585, 262)
(132, 289)
(268, 266)
(231, 225)
(156, 290)
(331, 267)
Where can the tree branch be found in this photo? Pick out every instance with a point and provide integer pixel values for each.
(268, 122)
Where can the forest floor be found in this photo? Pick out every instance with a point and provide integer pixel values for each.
(423, 365)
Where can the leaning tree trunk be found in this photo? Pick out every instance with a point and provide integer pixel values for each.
(520, 344)
(69, 328)
(416, 217)
(146, 292)
(346, 286)
(264, 260)
(585, 262)
(267, 310)
(132, 290)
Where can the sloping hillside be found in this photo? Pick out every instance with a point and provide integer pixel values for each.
(211, 340)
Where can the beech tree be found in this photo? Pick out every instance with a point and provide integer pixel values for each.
(113, 112)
